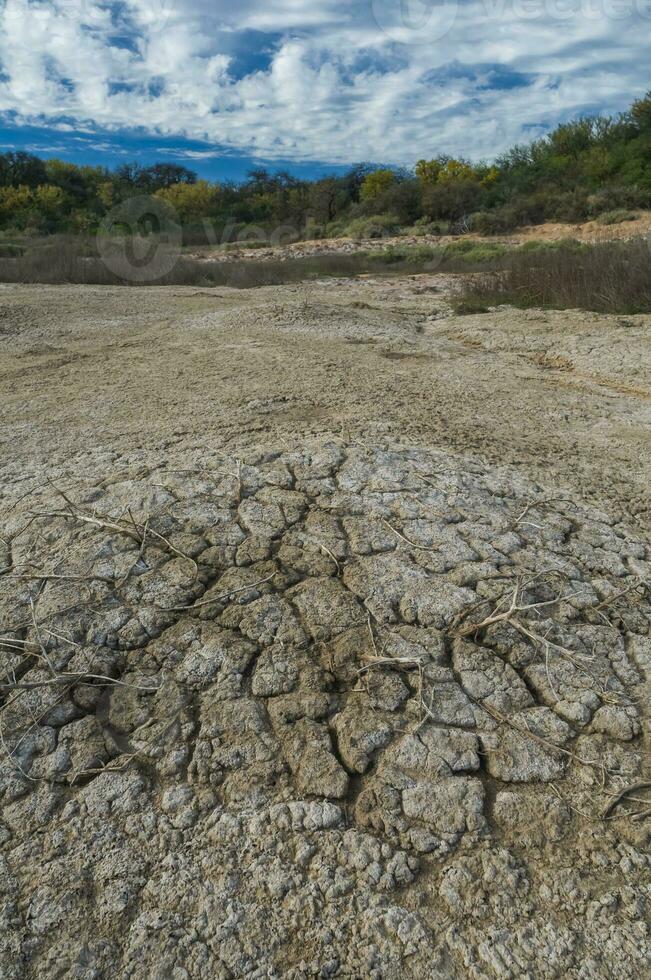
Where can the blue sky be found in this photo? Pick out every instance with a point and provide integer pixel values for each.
(111, 149)
(308, 85)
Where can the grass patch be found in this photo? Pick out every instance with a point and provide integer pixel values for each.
(613, 277)
(10, 251)
(469, 307)
(470, 252)
(536, 246)
(74, 260)
(70, 259)
(617, 217)
(462, 256)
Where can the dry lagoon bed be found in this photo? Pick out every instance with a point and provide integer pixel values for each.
(325, 635)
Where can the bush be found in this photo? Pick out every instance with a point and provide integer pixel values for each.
(470, 251)
(314, 230)
(496, 222)
(566, 244)
(426, 227)
(461, 247)
(376, 226)
(616, 217)
(452, 199)
(10, 251)
(464, 307)
(402, 199)
(502, 220)
(571, 207)
(618, 199)
(229, 247)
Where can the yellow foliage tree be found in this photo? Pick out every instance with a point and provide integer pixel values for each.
(428, 171)
(190, 201)
(15, 202)
(49, 200)
(489, 176)
(58, 171)
(456, 170)
(376, 183)
(106, 194)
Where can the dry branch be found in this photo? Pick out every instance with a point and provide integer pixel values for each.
(219, 598)
(622, 795)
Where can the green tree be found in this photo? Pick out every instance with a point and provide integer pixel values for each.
(641, 113)
(20, 169)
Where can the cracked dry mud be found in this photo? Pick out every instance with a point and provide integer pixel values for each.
(317, 761)
(295, 685)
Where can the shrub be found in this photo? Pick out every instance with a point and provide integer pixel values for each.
(470, 251)
(571, 207)
(463, 307)
(413, 254)
(10, 251)
(402, 199)
(502, 220)
(376, 226)
(238, 246)
(496, 222)
(314, 230)
(618, 199)
(535, 246)
(451, 199)
(424, 226)
(616, 217)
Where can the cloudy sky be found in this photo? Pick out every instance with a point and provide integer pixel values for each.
(317, 84)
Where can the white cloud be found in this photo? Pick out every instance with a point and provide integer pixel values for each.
(325, 79)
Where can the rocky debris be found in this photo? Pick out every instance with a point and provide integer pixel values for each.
(338, 711)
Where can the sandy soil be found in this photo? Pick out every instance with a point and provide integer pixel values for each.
(589, 231)
(566, 395)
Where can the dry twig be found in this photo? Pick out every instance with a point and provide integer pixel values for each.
(219, 598)
(622, 795)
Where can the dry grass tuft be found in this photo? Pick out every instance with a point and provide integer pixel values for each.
(611, 277)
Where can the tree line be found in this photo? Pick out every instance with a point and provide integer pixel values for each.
(591, 167)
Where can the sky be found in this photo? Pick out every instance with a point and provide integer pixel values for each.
(311, 86)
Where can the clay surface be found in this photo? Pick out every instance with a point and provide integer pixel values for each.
(350, 682)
